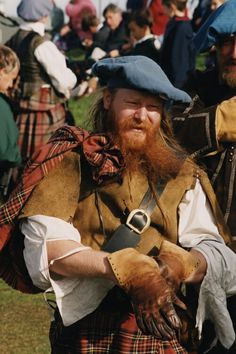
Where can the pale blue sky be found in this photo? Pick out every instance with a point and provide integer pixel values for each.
(10, 5)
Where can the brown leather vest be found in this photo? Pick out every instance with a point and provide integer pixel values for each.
(68, 193)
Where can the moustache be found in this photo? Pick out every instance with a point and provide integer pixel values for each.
(128, 125)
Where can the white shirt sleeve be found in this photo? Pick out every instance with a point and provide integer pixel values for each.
(54, 63)
(196, 222)
(76, 297)
(198, 230)
(38, 230)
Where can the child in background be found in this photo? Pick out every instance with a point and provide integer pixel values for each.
(177, 53)
(94, 49)
(9, 151)
(99, 32)
(144, 42)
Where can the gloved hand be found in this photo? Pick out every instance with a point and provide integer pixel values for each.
(175, 263)
(151, 297)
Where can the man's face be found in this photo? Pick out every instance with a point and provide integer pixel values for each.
(226, 56)
(113, 19)
(135, 116)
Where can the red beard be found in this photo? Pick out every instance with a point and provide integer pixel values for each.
(151, 155)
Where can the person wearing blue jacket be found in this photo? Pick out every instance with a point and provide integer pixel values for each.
(177, 54)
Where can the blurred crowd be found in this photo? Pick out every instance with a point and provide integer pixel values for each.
(161, 30)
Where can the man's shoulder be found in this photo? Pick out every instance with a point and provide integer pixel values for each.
(58, 192)
(202, 82)
(205, 75)
(189, 167)
(25, 39)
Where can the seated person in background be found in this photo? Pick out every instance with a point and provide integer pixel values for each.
(94, 50)
(9, 150)
(118, 31)
(99, 32)
(177, 51)
(72, 33)
(113, 47)
(144, 42)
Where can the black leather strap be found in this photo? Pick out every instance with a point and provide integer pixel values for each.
(128, 235)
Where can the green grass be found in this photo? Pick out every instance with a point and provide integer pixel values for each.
(200, 62)
(80, 108)
(24, 323)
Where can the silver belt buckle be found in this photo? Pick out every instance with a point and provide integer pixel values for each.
(130, 217)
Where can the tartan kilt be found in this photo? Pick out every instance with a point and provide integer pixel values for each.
(36, 127)
(111, 328)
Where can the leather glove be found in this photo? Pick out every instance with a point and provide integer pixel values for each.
(176, 264)
(152, 299)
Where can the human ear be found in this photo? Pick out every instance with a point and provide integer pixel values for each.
(106, 99)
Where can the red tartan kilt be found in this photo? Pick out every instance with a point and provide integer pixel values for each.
(108, 330)
(36, 127)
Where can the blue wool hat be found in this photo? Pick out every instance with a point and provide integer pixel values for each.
(221, 23)
(139, 73)
(33, 10)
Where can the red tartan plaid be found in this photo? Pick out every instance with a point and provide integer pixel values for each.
(36, 127)
(37, 98)
(108, 330)
(105, 159)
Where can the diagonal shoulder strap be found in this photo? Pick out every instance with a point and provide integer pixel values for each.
(138, 221)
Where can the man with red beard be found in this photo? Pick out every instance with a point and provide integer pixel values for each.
(115, 222)
(207, 129)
